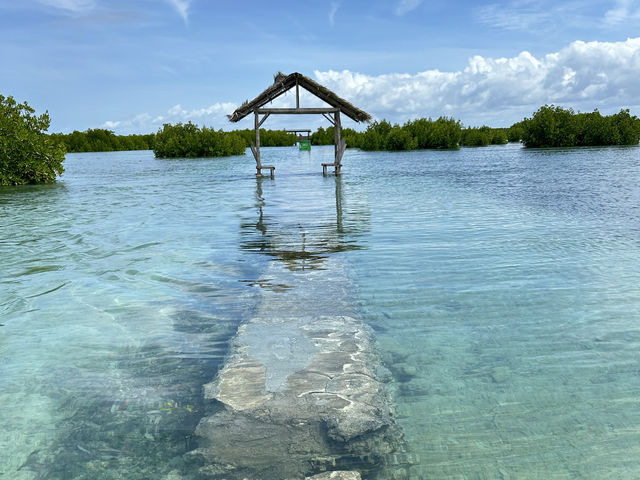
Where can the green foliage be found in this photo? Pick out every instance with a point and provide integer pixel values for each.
(514, 132)
(100, 140)
(553, 126)
(443, 133)
(627, 126)
(476, 137)
(422, 133)
(400, 138)
(27, 155)
(375, 137)
(268, 138)
(189, 140)
(500, 136)
(594, 129)
(483, 136)
(550, 126)
(352, 137)
(322, 136)
(326, 137)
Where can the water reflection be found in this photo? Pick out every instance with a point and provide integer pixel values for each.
(121, 412)
(301, 231)
(116, 307)
(301, 227)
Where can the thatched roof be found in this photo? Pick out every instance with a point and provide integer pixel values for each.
(283, 83)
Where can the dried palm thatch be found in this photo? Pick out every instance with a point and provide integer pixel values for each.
(282, 83)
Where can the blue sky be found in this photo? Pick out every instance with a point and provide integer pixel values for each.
(132, 65)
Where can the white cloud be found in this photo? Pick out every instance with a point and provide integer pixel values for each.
(109, 125)
(182, 7)
(492, 91)
(583, 75)
(551, 16)
(624, 11)
(516, 16)
(74, 6)
(405, 6)
(219, 110)
(332, 13)
(212, 116)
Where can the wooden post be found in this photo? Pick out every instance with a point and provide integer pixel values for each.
(253, 149)
(260, 202)
(337, 142)
(297, 94)
(339, 224)
(256, 153)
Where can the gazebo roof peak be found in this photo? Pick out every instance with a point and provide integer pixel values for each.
(283, 83)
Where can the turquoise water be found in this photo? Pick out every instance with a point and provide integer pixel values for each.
(502, 284)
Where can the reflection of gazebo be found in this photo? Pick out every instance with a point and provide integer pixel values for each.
(283, 83)
(303, 242)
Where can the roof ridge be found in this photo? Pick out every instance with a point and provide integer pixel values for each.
(283, 83)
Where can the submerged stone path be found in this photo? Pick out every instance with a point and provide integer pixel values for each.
(300, 395)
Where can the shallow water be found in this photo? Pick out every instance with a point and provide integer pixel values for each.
(502, 284)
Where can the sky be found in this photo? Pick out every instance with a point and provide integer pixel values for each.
(131, 66)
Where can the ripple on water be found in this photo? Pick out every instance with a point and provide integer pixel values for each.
(501, 283)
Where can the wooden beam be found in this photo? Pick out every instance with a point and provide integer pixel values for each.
(343, 147)
(299, 111)
(253, 150)
(297, 94)
(338, 142)
(263, 119)
(339, 224)
(257, 145)
(328, 118)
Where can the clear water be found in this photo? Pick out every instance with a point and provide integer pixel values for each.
(502, 284)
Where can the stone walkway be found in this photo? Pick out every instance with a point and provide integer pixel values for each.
(299, 395)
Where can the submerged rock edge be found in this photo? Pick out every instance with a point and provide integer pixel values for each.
(299, 396)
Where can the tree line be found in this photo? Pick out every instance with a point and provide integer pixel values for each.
(194, 140)
(29, 155)
(190, 141)
(101, 140)
(422, 133)
(550, 126)
(268, 138)
(553, 126)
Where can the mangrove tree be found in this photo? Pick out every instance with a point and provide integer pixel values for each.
(27, 154)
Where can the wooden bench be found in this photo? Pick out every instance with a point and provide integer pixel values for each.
(337, 167)
(271, 169)
(325, 166)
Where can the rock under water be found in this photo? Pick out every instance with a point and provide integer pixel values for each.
(298, 397)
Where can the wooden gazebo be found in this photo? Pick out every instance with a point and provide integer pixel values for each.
(283, 83)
